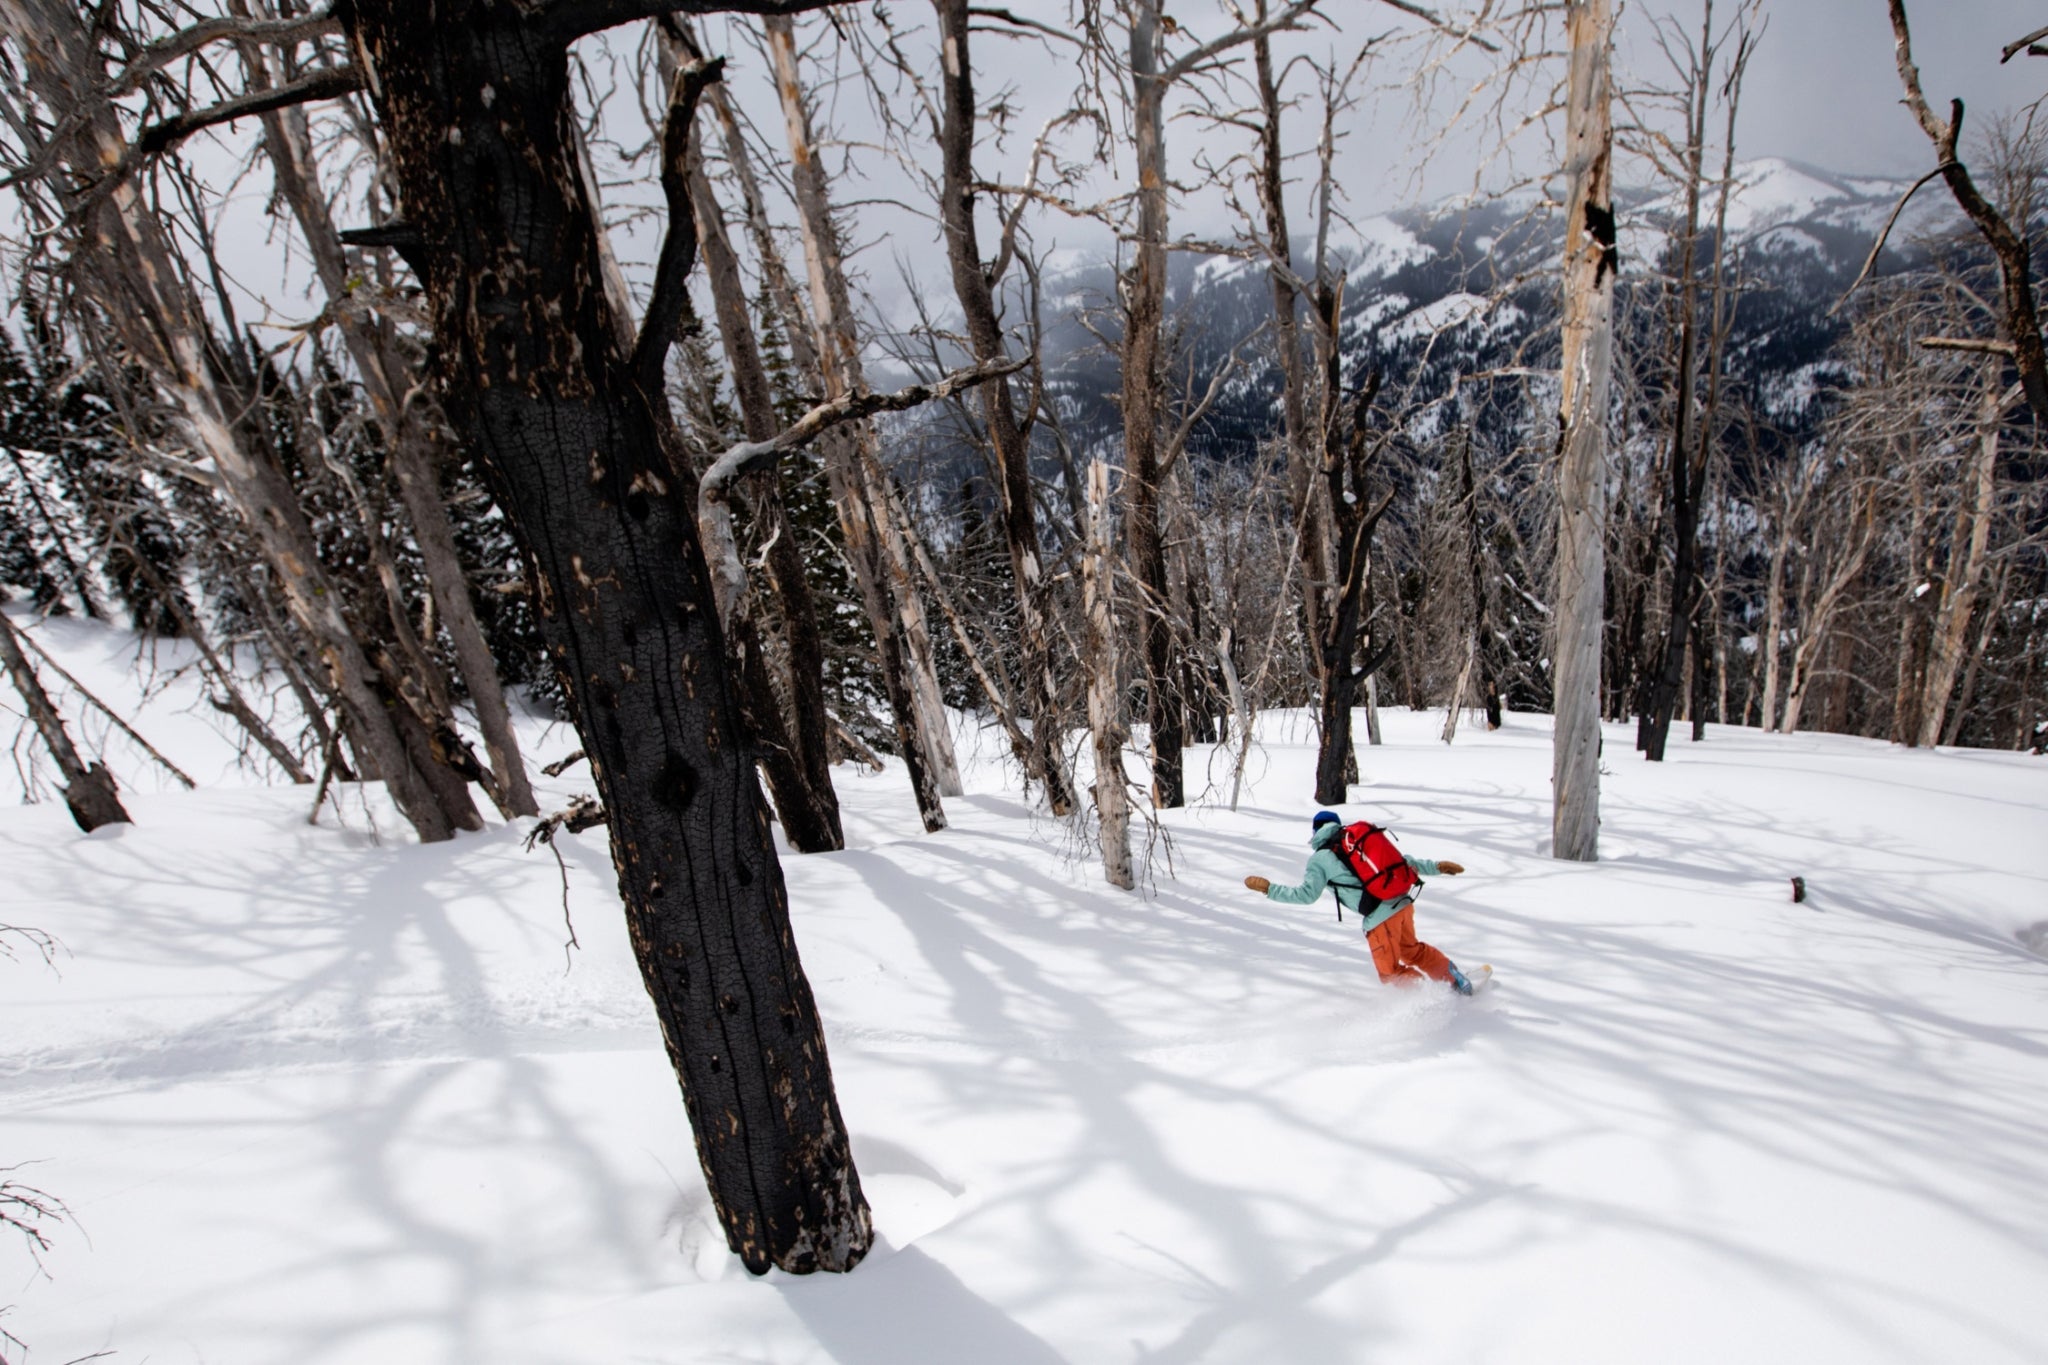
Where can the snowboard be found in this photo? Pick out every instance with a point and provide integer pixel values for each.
(1481, 977)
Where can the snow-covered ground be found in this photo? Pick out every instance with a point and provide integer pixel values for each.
(315, 1095)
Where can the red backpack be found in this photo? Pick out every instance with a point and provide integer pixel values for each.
(1369, 852)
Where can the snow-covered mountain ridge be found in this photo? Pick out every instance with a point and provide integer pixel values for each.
(1453, 289)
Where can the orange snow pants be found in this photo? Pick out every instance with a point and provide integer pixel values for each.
(1400, 956)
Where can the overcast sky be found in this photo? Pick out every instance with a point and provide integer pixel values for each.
(1822, 90)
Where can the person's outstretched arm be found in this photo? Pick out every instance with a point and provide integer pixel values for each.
(1424, 867)
(1314, 879)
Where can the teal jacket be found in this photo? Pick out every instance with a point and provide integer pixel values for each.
(1326, 870)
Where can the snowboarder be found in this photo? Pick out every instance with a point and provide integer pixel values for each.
(1389, 918)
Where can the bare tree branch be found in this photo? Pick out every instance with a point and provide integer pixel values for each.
(2027, 43)
(1019, 21)
(568, 20)
(325, 84)
(1877, 247)
(1289, 18)
(1436, 21)
(748, 456)
(163, 52)
(670, 301)
(1980, 346)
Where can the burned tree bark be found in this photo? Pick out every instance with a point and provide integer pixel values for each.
(1590, 264)
(1354, 526)
(474, 98)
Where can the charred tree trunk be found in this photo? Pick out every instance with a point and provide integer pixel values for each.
(1684, 481)
(1341, 671)
(1590, 264)
(89, 789)
(474, 99)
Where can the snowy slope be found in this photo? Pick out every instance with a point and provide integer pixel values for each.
(315, 1098)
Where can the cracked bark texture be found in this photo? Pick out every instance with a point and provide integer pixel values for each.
(474, 98)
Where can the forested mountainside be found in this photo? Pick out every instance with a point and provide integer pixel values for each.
(1452, 310)
(1436, 295)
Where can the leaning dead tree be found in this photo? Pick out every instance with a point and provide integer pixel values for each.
(1591, 261)
(875, 547)
(408, 437)
(89, 789)
(560, 398)
(974, 284)
(81, 183)
(474, 101)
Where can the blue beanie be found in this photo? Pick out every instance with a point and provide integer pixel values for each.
(1323, 817)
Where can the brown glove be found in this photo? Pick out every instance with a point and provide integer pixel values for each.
(1258, 884)
(1449, 869)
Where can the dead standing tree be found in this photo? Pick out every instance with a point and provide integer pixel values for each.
(1326, 546)
(474, 102)
(875, 549)
(1591, 261)
(1353, 526)
(1143, 295)
(125, 266)
(408, 438)
(2018, 316)
(974, 284)
(1693, 433)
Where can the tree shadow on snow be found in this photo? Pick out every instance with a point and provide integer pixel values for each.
(903, 1306)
